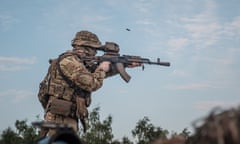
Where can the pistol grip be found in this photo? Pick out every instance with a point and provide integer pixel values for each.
(122, 72)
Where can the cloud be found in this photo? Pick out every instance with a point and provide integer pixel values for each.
(16, 95)
(144, 8)
(194, 31)
(179, 73)
(93, 19)
(6, 22)
(205, 29)
(192, 86)
(230, 57)
(208, 31)
(15, 63)
(176, 45)
(208, 105)
(145, 22)
(178, 42)
(232, 28)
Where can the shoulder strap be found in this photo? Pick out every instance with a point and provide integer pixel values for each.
(78, 90)
(52, 62)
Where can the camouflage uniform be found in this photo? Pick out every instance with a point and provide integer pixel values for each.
(70, 82)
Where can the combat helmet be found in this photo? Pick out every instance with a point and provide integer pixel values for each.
(86, 38)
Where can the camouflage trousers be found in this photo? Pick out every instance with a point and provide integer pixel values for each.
(60, 119)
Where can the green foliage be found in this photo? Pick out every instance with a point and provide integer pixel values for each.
(98, 132)
(24, 134)
(185, 132)
(8, 136)
(125, 140)
(146, 132)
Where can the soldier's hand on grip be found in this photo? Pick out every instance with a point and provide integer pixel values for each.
(134, 64)
(105, 66)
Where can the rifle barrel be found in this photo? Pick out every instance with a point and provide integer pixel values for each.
(147, 61)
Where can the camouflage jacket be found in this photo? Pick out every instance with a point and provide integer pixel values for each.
(69, 76)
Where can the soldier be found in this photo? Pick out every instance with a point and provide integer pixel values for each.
(65, 92)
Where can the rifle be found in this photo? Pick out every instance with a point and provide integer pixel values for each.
(111, 53)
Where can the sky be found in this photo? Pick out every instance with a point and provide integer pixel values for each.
(201, 40)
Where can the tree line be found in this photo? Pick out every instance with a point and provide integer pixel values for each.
(99, 132)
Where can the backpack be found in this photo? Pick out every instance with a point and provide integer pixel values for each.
(43, 95)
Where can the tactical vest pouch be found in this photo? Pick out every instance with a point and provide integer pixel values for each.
(60, 107)
(43, 93)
